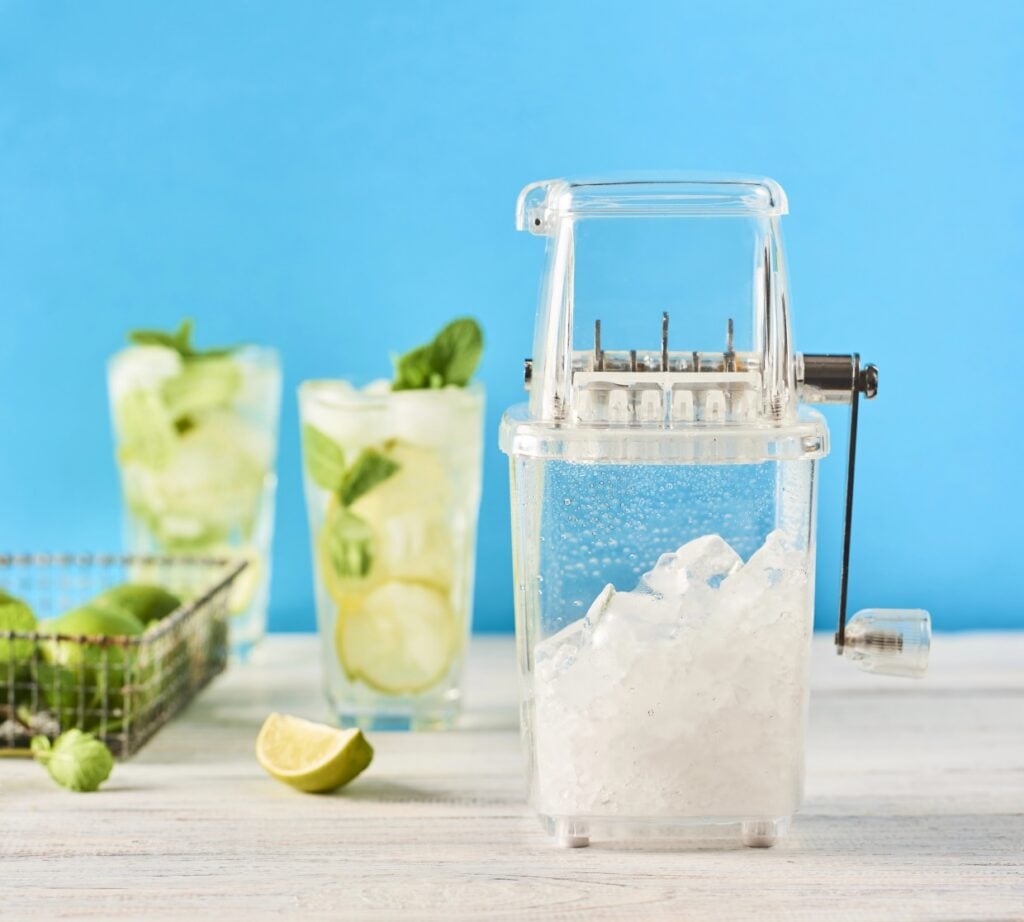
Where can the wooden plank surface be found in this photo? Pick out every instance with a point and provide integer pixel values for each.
(914, 811)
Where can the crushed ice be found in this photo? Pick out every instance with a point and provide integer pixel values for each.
(685, 696)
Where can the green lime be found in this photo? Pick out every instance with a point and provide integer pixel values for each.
(87, 621)
(15, 615)
(83, 679)
(146, 602)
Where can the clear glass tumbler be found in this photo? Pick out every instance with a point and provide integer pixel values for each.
(196, 443)
(392, 483)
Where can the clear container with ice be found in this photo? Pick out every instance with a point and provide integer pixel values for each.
(663, 495)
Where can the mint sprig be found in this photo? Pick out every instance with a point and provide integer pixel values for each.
(325, 462)
(348, 544)
(348, 539)
(75, 760)
(450, 358)
(179, 340)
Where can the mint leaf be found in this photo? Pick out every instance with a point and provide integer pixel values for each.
(180, 341)
(450, 358)
(325, 460)
(415, 371)
(457, 349)
(369, 469)
(347, 544)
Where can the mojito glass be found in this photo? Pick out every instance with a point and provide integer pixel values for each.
(392, 483)
(196, 439)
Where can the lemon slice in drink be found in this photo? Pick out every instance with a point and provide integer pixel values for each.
(409, 514)
(309, 756)
(421, 483)
(401, 640)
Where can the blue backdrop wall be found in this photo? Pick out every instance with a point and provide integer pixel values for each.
(280, 171)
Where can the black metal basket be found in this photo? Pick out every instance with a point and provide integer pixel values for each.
(123, 689)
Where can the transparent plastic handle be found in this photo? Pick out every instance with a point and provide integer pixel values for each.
(890, 641)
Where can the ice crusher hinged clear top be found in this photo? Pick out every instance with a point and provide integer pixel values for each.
(746, 377)
(663, 336)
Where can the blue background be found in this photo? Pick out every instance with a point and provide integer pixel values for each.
(338, 179)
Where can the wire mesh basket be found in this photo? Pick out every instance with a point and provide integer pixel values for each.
(123, 689)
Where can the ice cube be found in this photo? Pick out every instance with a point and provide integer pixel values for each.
(261, 379)
(445, 419)
(341, 413)
(210, 484)
(142, 368)
(598, 607)
(415, 546)
(631, 618)
(776, 572)
(559, 652)
(703, 562)
(766, 568)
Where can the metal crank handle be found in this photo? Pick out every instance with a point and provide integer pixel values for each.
(890, 641)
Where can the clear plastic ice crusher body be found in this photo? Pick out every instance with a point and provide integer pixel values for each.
(663, 478)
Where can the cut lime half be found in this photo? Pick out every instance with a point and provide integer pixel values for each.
(309, 756)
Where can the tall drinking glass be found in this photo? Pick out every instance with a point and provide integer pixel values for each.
(196, 440)
(392, 484)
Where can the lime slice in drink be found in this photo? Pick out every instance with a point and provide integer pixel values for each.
(244, 586)
(309, 756)
(202, 384)
(415, 548)
(401, 640)
(409, 514)
(420, 483)
(145, 430)
(211, 485)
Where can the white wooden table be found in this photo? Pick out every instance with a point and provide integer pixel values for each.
(914, 811)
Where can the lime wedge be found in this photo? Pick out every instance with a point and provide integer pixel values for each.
(401, 640)
(309, 756)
